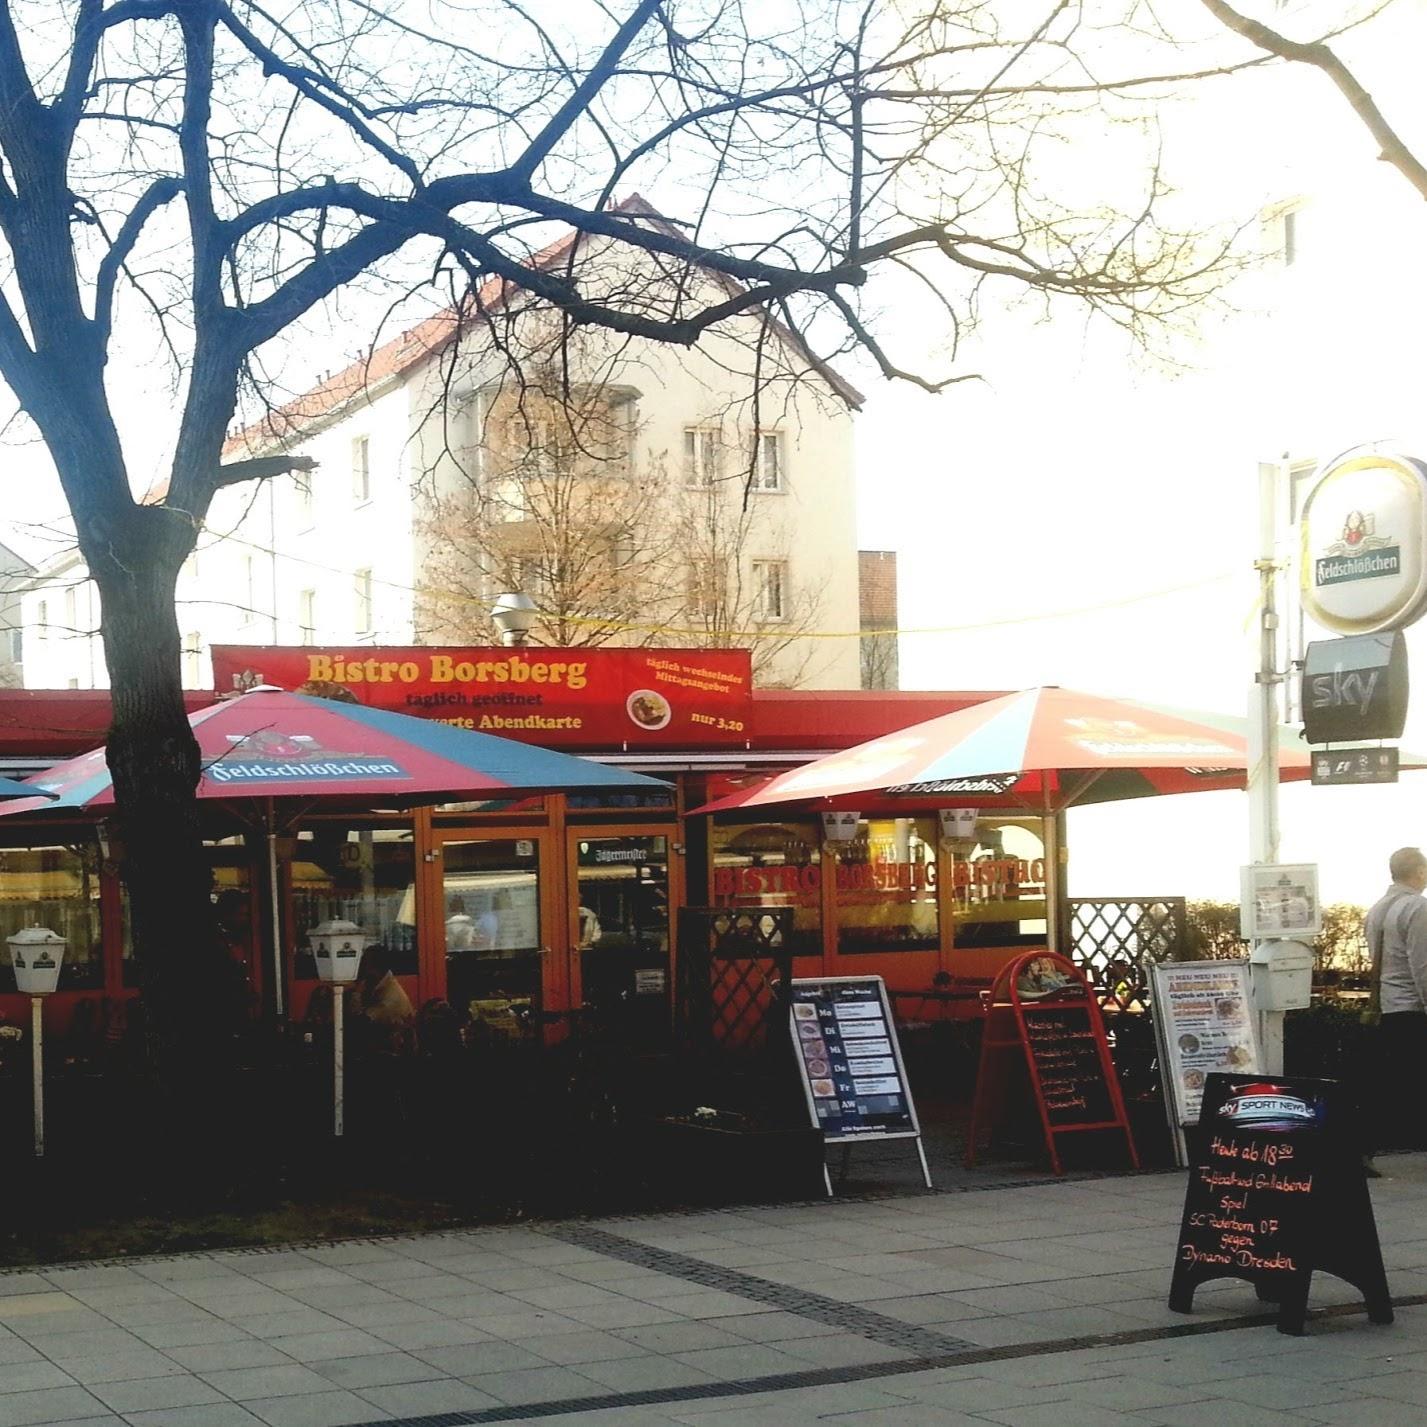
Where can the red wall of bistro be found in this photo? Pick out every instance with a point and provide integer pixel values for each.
(559, 900)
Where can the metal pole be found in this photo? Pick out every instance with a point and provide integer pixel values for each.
(37, 1055)
(1263, 729)
(1050, 824)
(274, 897)
(338, 1006)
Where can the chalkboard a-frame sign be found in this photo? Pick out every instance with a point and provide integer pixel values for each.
(1043, 1021)
(1277, 1191)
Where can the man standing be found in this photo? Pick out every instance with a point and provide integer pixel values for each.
(1396, 932)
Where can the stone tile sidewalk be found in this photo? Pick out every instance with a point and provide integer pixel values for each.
(1019, 1306)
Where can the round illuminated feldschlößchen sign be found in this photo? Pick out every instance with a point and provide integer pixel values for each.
(1364, 533)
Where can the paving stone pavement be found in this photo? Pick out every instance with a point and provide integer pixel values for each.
(1021, 1306)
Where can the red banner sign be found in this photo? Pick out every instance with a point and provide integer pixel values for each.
(556, 697)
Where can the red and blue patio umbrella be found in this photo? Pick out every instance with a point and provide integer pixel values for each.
(1041, 749)
(275, 745)
(10, 788)
(1046, 749)
(285, 753)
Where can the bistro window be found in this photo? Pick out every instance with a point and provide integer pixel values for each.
(886, 885)
(998, 884)
(55, 887)
(364, 875)
(772, 865)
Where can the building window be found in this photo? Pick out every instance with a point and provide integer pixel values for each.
(706, 588)
(71, 612)
(886, 884)
(193, 660)
(56, 887)
(770, 589)
(361, 471)
(302, 484)
(17, 646)
(701, 455)
(307, 616)
(768, 465)
(771, 864)
(360, 874)
(42, 616)
(364, 602)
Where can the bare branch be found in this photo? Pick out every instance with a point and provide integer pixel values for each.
(160, 192)
(1393, 150)
(261, 468)
(583, 94)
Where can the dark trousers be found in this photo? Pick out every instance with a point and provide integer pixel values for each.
(1398, 1092)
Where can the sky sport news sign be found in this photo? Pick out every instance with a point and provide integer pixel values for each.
(554, 697)
(1363, 565)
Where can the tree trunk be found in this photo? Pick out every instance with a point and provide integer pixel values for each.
(153, 757)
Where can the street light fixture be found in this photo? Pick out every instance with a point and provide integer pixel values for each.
(514, 615)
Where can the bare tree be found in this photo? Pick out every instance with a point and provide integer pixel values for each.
(556, 506)
(206, 177)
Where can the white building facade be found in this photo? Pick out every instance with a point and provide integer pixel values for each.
(353, 553)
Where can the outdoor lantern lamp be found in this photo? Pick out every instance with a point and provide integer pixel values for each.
(515, 615)
(36, 954)
(337, 948)
(958, 824)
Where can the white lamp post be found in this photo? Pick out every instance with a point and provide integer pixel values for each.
(36, 954)
(337, 948)
(514, 615)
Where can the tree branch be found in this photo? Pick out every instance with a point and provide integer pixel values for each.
(260, 468)
(1393, 149)
(161, 191)
(580, 98)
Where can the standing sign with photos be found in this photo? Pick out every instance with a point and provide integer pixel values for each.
(851, 1064)
(1203, 1024)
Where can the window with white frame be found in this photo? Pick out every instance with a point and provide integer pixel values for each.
(17, 645)
(768, 462)
(307, 616)
(302, 484)
(701, 455)
(706, 588)
(364, 601)
(42, 616)
(770, 589)
(361, 470)
(71, 612)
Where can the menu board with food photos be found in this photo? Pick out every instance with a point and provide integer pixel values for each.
(1275, 1193)
(1204, 1025)
(851, 1062)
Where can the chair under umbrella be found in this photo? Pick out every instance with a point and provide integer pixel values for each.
(277, 755)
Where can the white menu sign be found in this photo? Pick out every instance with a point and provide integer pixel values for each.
(1204, 1024)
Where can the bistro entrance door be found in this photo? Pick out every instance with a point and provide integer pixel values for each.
(493, 915)
(620, 890)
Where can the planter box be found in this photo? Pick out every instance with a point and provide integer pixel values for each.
(732, 1161)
